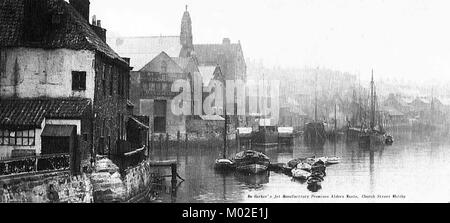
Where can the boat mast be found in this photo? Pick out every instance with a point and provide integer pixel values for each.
(226, 123)
(315, 100)
(372, 104)
(335, 116)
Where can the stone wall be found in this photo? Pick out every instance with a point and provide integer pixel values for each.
(109, 186)
(105, 185)
(138, 179)
(37, 188)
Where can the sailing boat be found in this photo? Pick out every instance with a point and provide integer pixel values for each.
(372, 136)
(315, 131)
(223, 163)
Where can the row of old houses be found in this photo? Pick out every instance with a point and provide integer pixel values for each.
(63, 91)
(68, 94)
(158, 61)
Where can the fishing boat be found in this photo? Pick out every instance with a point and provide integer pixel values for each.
(373, 136)
(314, 132)
(224, 164)
(266, 135)
(251, 161)
(253, 180)
(300, 174)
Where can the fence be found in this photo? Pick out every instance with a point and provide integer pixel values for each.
(33, 164)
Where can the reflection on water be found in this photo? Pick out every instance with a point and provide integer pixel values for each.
(416, 166)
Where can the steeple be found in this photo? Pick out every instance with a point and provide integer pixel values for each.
(186, 35)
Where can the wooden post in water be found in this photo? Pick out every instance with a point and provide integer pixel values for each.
(238, 141)
(151, 141)
(178, 140)
(174, 173)
(167, 141)
(186, 141)
(160, 142)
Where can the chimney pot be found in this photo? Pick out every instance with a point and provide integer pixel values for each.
(99, 23)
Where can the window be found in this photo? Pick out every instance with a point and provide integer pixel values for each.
(164, 67)
(159, 125)
(2, 63)
(111, 82)
(165, 87)
(152, 87)
(159, 120)
(17, 138)
(120, 84)
(106, 74)
(78, 80)
(158, 87)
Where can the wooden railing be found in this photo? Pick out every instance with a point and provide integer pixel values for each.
(34, 164)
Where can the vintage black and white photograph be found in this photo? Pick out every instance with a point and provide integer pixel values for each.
(224, 101)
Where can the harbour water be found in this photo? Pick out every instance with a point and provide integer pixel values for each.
(415, 169)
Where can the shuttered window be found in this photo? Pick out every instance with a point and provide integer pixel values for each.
(78, 80)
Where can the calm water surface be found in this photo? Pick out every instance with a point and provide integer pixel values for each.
(416, 167)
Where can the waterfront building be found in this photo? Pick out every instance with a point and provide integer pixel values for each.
(62, 88)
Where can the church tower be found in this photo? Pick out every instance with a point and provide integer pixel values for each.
(186, 35)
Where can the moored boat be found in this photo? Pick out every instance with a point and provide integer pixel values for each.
(389, 140)
(300, 174)
(304, 166)
(251, 161)
(333, 160)
(223, 164)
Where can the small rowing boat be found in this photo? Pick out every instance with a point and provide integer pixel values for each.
(300, 174)
(223, 164)
(333, 160)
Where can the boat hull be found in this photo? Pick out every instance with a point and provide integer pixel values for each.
(252, 168)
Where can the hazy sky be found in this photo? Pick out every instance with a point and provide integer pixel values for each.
(399, 38)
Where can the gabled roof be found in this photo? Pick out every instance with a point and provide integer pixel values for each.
(155, 65)
(143, 49)
(29, 113)
(74, 32)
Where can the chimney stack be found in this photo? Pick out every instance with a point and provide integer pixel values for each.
(82, 6)
(97, 27)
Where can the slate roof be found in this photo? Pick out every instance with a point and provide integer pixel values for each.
(74, 32)
(210, 53)
(141, 50)
(29, 113)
